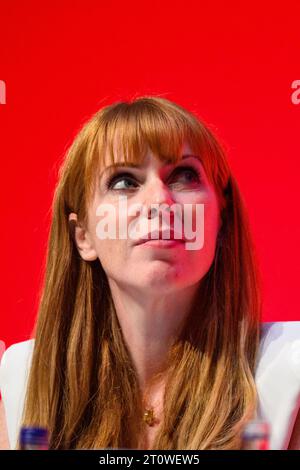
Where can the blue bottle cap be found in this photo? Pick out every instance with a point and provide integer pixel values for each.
(34, 435)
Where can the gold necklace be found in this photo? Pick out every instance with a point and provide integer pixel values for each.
(149, 417)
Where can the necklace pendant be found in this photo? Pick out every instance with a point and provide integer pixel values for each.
(149, 417)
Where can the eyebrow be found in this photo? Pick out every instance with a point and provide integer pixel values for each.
(133, 165)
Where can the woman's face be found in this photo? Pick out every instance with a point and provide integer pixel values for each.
(148, 265)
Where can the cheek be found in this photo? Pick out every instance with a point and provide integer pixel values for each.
(204, 217)
(112, 255)
(111, 250)
(201, 259)
(211, 223)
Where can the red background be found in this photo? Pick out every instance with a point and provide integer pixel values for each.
(232, 64)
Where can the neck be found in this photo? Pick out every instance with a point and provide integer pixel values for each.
(150, 324)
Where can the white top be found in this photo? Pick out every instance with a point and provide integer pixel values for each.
(277, 379)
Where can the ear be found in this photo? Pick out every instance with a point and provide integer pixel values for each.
(82, 238)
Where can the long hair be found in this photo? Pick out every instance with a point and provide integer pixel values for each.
(82, 383)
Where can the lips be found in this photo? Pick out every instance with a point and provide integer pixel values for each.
(161, 235)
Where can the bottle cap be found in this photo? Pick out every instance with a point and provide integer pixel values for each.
(256, 429)
(34, 435)
(256, 435)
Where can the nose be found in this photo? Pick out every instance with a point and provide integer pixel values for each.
(157, 195)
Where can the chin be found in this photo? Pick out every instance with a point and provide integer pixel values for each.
(162, 276)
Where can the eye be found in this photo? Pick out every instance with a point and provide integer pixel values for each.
(116, 182)
(181, 176)
(186, 175)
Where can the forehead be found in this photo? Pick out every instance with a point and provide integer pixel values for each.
(117, 158)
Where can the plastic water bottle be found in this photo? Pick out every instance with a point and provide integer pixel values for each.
(256, 435)
(34, 438)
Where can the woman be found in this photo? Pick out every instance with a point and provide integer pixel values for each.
(146, 344)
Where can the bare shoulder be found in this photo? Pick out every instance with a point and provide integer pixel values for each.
(4, 442)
